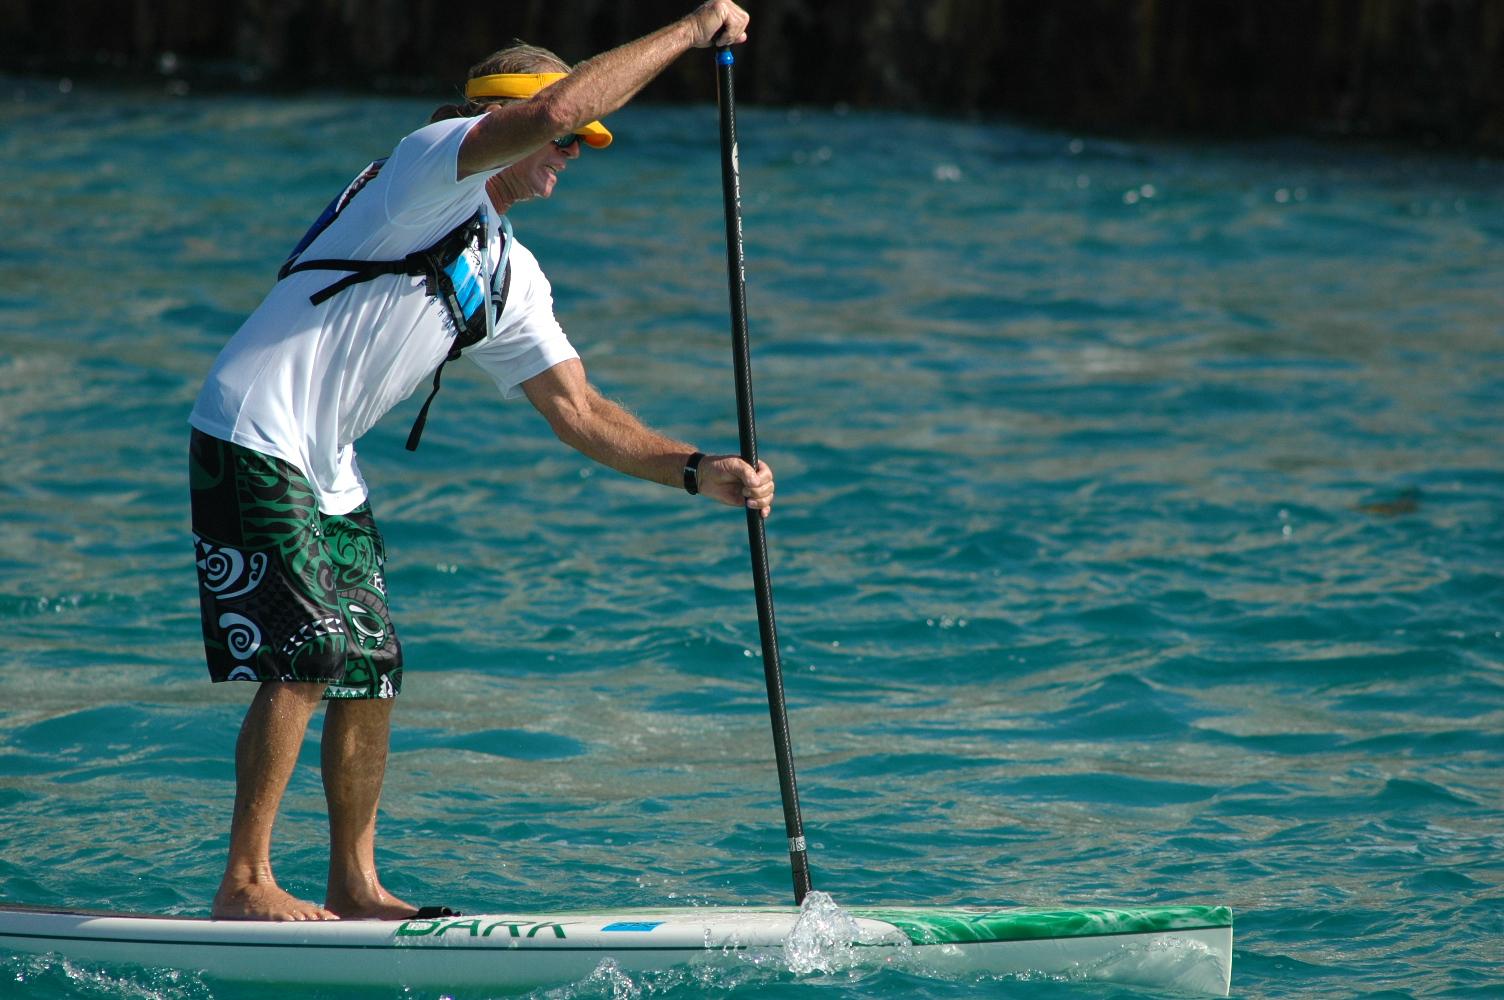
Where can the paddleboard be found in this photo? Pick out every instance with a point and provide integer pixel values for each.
(1185, 948)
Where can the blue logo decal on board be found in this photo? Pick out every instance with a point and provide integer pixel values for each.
(632, 925)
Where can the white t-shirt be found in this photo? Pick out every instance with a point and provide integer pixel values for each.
(304, 382)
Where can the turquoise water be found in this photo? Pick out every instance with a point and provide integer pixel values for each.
(1141, 511)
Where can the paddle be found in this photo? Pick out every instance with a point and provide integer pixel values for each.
(746, 422)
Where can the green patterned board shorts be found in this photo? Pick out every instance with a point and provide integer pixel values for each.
(288, 592)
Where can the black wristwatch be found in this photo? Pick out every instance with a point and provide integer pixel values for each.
(692, 473)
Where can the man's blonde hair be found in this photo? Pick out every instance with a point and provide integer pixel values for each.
(519, 57)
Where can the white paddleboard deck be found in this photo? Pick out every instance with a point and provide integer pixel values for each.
(1186, 948)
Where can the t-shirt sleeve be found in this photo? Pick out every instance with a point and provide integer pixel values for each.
(528, 339)
(422, 170)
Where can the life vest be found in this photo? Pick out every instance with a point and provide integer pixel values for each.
(453, 271)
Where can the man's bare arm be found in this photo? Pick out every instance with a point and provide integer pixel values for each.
(596, 88)
(606, 432)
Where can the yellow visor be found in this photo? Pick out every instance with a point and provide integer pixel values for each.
(525, 85)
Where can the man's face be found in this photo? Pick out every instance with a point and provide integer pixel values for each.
(538, 172)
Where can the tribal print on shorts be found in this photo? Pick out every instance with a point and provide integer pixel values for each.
(287, 592)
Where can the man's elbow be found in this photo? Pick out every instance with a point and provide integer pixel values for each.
(570, 421)
(506, 134)
(554, 114)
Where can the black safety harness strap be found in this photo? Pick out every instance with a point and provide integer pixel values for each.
(431, 264)
(461, 341)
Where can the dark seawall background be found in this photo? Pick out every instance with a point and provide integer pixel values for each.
(1429, 72)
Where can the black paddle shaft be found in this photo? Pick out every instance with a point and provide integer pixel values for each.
(736, 274)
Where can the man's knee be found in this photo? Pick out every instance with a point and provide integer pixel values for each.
(359, 711)
(303, 694)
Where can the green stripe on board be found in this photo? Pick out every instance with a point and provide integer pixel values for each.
(937, 926)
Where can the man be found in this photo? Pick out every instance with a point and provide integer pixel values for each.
(413, 261)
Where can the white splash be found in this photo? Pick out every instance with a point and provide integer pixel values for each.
(608, 980)
(1176, 963)
(822, 938)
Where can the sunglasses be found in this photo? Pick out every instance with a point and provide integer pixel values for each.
(566, 141)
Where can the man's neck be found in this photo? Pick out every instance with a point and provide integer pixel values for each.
(500, 199)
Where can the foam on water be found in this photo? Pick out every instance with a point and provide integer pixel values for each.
(1177, 964)
(610, 982)
(45, 975)
(824, 937)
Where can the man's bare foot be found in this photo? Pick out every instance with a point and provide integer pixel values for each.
(372, 905)
(260, 901)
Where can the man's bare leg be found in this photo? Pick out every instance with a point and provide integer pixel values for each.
(356, 734)
(265, 755)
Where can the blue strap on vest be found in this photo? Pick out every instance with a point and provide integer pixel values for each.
(464, 338)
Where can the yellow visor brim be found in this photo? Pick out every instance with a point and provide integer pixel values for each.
(520, 86)
(594, 134)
